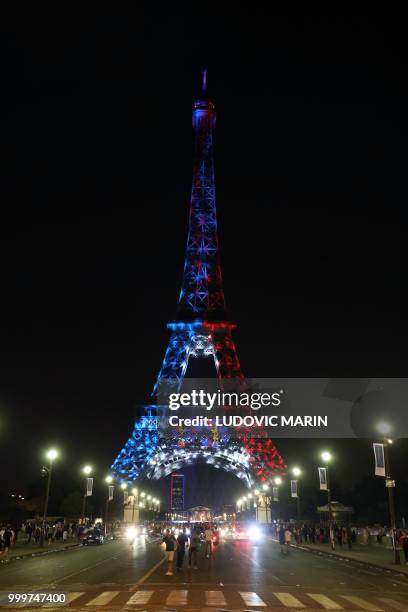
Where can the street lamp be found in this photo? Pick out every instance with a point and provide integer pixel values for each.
(327, 457)
(296, 471)
(51, 455)
(385, 429)
(134, 493)
(87, 470)
(108, 480)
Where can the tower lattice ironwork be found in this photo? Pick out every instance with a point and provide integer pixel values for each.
(201, 329)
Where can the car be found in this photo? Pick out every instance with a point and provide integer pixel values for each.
(93, 536)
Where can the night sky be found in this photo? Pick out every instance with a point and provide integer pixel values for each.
(95, 178)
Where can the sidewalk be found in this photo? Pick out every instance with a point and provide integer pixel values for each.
(25, 549)
(376, 555)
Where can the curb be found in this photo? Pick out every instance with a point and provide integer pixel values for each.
(330, 553)
(25, 555)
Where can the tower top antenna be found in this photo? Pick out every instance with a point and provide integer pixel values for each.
(204, 80)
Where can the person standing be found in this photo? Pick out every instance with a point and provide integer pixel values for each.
(281, 535)
(182, 541)
(193, 550)
(288, 538)
(7, 538)
(208, 534)
(170, 544)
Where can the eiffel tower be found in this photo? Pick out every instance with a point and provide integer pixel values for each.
(201, 330)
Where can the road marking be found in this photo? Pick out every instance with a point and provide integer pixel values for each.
(140, 598)
(325, 602)
(393, 604)
(149, 573)
(74, 595)
(288, 600)
(177, 598)
(365, 605)
(251, 599)
(86, 569)
(103, 598)
(215, 598)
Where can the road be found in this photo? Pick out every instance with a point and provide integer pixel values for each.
(239, 576)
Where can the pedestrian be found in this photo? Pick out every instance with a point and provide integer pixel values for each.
(7, 538)
(288, 538)
(281, 536)
(404, 545)
(194, 548)
(170, 544)
(348, 537)
(182, 542)
(208, 534)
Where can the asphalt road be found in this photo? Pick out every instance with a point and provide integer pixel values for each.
(239, 576)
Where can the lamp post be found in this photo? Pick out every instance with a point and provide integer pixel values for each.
(134, 493)
(108, 480)
(87, 470)
(327, 457)
(385, 430)
(297, 472)
(51, 455)
(267, 499)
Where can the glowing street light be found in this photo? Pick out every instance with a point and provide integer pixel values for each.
(87, 470)
(296, 471)
(385, 429)
(277, 480)
(108, 480)
(123, 486)
(265, 486)
(327, 457)
(51, 455)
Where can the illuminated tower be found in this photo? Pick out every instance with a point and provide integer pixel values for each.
(201, 330)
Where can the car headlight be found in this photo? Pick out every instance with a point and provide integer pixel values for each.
(131, 533)
(254, 533)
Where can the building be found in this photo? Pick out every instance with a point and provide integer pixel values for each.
(177, 492)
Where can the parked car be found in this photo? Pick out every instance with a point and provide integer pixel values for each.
(93, 536)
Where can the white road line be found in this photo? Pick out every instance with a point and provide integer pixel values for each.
(396, 605)
(149, 573)
(215, 598)
(252, 599)
(139, 598)
(74, 595)
(177, 598)
(325, 602)
(364, 605)
(288, 600)
(103, 598)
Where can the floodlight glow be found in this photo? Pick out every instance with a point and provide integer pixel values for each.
(52, 454)
(326, 456)
(87, 470)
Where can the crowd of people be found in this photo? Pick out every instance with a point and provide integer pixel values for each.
(177, 542)
(30, 533)
(339, 535)
(316, 534)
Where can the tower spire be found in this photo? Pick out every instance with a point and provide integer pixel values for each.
(202, 293)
